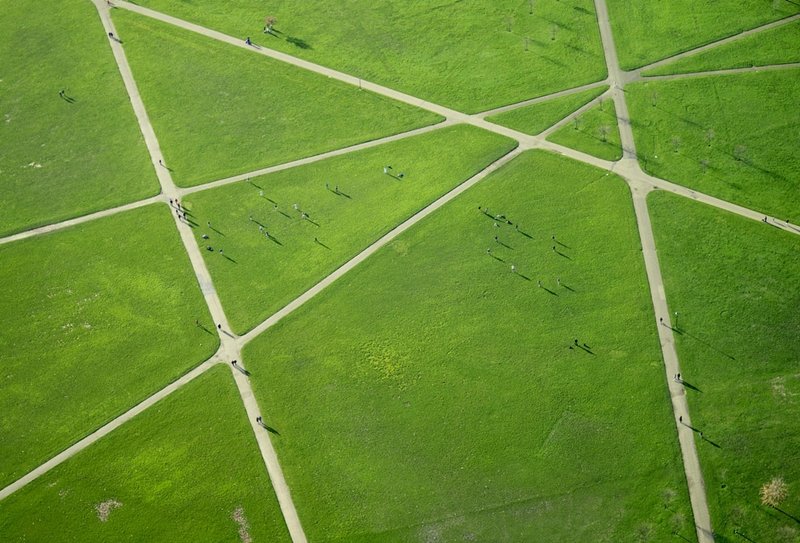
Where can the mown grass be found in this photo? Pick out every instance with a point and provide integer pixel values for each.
(256, 275)
(221, 110)
(94, 319)
(780, 45)
(735, 284)
(472, 56)
(62, 158)
(645, 32)
(179, 471)
(731, 136)
(432, 393)
(595, 132)
(536, 118)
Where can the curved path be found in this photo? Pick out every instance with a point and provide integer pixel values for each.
(230, 345)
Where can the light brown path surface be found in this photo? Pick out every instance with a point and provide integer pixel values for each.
(230, 349)
(727, 71)
(639, 190)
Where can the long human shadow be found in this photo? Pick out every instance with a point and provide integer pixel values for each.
(312, 222)
(229, 258)
(569, 288)
(507, 246)
(550, 291)
(562, 244)
(704, 438)
(217, 231)
(687, 384)
(586, 348)
(253, 184)
(685, 332)
(242, 370)
(274, 239)
(496, 258)
(318, 242)
(68, 99)
(284, 214)
(559, 253)
(524, 276)
(740, 534)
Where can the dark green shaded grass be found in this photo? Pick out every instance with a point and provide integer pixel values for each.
(736, 286)
(180, 470)
(58, 159)
(432, 393)
(595, 132)
(220, 110)
(94, 319)
(731, 136)
(535, 118)
(777, 46)
(645, 32)
(470, 56)
(256, 275)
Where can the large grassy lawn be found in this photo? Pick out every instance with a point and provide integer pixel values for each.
(731, 136)
(735, 284)
(471, 56)
(648, 31)
(220, 110)
(94, 319)
(256, 275)
(61, 158)
(780, 45)
(432, 394)
(595, 131)
(536, 118)
(181, 471)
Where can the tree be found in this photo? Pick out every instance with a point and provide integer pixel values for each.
(604, 130)
(774, 492)
(269, 22)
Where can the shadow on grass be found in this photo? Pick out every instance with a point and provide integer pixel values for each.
(687, 384)
(274, 239)
(550, 291)
(794, 518)
(569, 288)
(229, 258)
(298, 42)
(217, 231)
(318, 242)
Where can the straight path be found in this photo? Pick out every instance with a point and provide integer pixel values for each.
(79, 220)
(691, 462)
(374, 247)
(228, 347)
(543, 98)
(727, 71)
(637, 73)
(107, 428)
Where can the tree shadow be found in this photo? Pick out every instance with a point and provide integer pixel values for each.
(298, 42)
(794, 518)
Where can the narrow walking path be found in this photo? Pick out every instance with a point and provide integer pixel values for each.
(79, 220)
(107, 428)
(374, 247)
(691, 462)
(543, 98)
(640, 183)
(637, 73)
(728, 71)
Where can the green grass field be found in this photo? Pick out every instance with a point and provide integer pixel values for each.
(536, 118)
(693, 132)
(467, 55)
(220, 110)
(61, 159)
(94, 319)
(777, 46)
(261, 275)
(594, 131)
(736, 286)
(645, 32)
(178, 472)
(432, 394)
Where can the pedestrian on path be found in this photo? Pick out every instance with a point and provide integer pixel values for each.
(680, 419)
(219, 327)
(247, 41)
(233, 363)
(170, 202)
(160, 162)
(258, 420)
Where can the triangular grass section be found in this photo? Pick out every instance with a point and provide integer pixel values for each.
(64, 156)
(220, 110)
(731, 136)
(186, 469)
(595, 132)
(320, 215)
(95, 318)
(536, 118)
(779, 45)
(472, 56)
(735, 289)
(645, 32)
(434, 375)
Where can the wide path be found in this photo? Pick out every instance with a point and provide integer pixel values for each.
(639, 190)
(230, 348)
